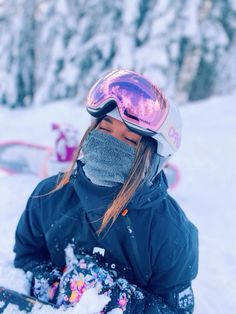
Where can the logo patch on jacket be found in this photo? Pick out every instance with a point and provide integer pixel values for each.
(99, 250)
(185, 298)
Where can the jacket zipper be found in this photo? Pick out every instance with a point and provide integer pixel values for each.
(134, 246)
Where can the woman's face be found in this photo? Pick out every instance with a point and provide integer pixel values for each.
(119, 130)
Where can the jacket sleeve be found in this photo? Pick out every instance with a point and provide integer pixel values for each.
(169, 289)
(31, 253)
(178, 301)
(30, 246)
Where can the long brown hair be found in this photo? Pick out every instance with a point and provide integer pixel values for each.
(145, 150)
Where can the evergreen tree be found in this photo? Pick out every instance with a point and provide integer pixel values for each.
(17, 52)
(217, 31)
(79, 47)
(52, 50)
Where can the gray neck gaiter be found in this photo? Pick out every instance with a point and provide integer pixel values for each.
(107, 160)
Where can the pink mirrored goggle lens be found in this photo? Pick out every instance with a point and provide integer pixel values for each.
(139, 102)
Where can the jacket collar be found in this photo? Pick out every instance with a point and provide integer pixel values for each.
(97, 198)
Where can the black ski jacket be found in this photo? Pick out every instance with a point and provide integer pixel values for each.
(152, 243)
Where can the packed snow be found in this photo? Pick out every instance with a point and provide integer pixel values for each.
(206, 192)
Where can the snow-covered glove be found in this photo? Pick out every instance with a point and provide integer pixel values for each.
(45, 279)
(85, 272)
(126, 297)
(81, 274)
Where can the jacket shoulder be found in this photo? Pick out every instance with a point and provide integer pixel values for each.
(46, 185)
(176, 254)
(173, 219)
(45, 205)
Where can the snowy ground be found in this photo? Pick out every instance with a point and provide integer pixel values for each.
(207, 191)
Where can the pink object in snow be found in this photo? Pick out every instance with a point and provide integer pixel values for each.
(66, 143)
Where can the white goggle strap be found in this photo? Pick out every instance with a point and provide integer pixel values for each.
(169, 133)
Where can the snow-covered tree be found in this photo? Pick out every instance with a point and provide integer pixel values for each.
(17, 27)
(76, 42)
(56, 49)
(225, 13)
(217, 30)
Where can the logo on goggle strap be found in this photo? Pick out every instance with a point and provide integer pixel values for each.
(174, 136)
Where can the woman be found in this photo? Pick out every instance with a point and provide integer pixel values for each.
(131, 240)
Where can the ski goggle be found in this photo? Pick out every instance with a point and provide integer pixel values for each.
(141, 105)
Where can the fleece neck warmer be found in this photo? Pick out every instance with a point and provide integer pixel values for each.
(107, 160)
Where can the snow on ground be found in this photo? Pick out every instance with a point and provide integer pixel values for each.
(207, 191)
